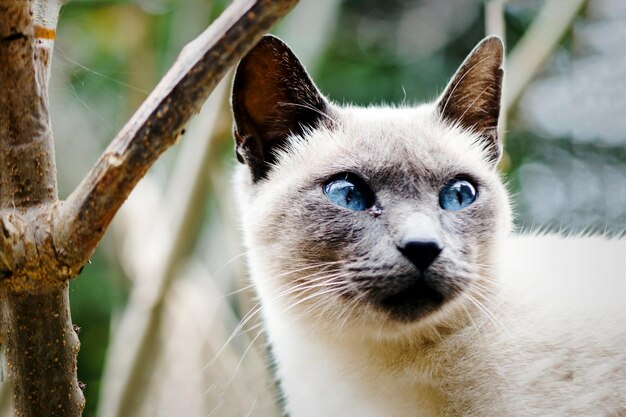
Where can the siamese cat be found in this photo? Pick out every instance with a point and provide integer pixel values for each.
(379, 244)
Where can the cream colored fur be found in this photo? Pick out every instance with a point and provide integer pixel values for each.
(548, 338)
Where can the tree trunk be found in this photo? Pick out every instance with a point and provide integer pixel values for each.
(43, 375)
(41, 345)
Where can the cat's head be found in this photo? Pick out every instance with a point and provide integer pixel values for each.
(377, 216)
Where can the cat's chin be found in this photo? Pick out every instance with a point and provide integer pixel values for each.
(412, 302)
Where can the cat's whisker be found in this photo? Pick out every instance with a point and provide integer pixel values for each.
(309, 297)
(231, 260)
(332, 281)
(251, 328)
(240, 290)
(243, 356)
(488, 314)
(489, 288)
(289, 288)
(348, 313)
(249, 413)
(501, 327)
(288, 284)
(470, 317)
(481, 306)
(253, 312)
(320, 310)
(329, 310)
(320, 265)
(307, 291)
(258, 307)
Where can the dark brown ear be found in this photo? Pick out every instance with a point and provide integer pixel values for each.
(472, 98)
(273, 97)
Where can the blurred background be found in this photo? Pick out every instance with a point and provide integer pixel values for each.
(160, 304)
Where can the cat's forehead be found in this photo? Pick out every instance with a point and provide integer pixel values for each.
(382, 140)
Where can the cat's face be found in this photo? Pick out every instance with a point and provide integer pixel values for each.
(368, 216)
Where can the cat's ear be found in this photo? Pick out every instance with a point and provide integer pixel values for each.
(472, 98)
(273, 97)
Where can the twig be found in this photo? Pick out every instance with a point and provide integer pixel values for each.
(158, 123)
(540, 39)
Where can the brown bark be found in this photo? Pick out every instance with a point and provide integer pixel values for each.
(41, 346)
(43, 374)
(43, 242)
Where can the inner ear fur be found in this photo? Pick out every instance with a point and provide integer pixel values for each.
(273, 98)
(472, 98)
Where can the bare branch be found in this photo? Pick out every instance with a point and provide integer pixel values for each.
(158, 123)
(538, 42)
(495, 25)
(494, 18)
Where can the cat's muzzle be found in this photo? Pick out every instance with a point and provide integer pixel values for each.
(408, 297)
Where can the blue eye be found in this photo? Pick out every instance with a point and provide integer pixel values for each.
(349, 191)
(456, 195)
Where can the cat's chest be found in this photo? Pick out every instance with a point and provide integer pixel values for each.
(319, 379)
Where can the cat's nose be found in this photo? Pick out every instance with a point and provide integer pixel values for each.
(422, 253)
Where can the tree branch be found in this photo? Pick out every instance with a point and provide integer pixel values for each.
(533, 49)
(495, 24)
(158, 123)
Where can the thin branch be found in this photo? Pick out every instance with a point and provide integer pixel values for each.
(158, 123)
(525, 60)
(495, 24)
(494, 18)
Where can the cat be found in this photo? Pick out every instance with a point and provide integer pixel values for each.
(379, 243)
